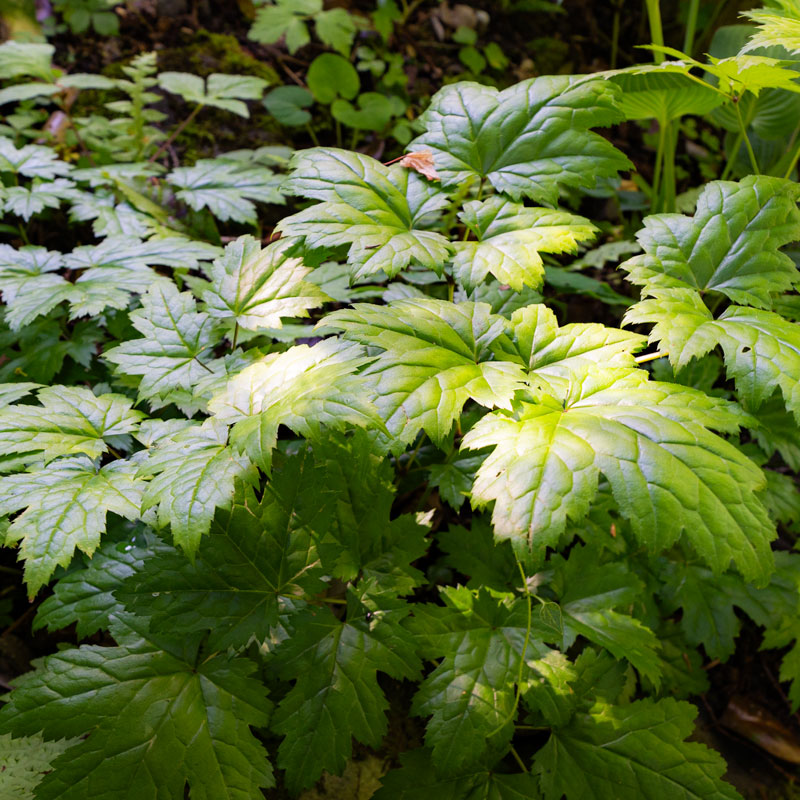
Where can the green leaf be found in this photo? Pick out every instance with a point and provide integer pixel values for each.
(473, 552)
(588, 596)
(70, 420)
(510, 239)
(258, 553)
(285, 18)
(331, 76)
(778, 24)
(32, 160)
(220, 91)
(24, 761)
(173, 352)
(436, 357)
(226, 188)
(305, 388)
(417, 779)
(29, 284)
(732, 245)
(155, 720)
(336, 696)
(708, 602)
(762, 349)
(87, 595)
(454, 477)
(288, 103)
(379, 211)
(337, 29)
(373, 113)
(526, 140)
(27, 91)
(787, 634)
(66, 504)
(255, 288)
(11, 392)
(27, 201)
(631, 752)
(550, 353)
(26, 58)
(470, 696)
(778, 431)
(667, 472)
(663, 97)
(193, 473)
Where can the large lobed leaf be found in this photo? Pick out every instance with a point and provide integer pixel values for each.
(378, 211)
(527, 140)
(731, 245)
(155, 719)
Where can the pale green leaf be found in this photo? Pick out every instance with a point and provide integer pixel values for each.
(305, 388)
(226, 188)
(65, 507)
(32, 160)
(70, 420)
(255, 288)
(667, 472)
(779, 24)
(24, 761)
(174, 349)
(510, 239)
(379, 211)
(436, 357)
(731, 245)
(193, 473)
(527, 140)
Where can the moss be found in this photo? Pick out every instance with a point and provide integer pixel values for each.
(207, 52)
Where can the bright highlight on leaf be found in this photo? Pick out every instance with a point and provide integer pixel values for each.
(378, 211)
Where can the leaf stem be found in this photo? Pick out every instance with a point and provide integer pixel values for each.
(656, 31)
(691, 27)
(177, 132)
(793, 162)
(518, 760)
(743, 129)
(651, 357)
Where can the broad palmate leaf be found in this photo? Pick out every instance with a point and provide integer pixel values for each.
(510, 238)
(174, 350)
(631, 752)
(731, 245)
(762, 349)
(470, 696)
(70, 420)
(226, 188)
(219, 91)
(668, 473)
(436, 357)
(526, 140)
(304, 388)
(193, 472)
(258, 552)
(66, 504)
(155, 719)
(254, 288)
(378, 211)
(336, 695)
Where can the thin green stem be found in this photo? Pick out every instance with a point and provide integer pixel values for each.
(691, 27)
(177, 132)
(793, 162)
(743, 130)
(519, 761)
(656, 31)
(655, 203)
(737, 146)
(338, 127)
(235, 335)
(615, 33)
(525, 644)
(312, 134)
(667, 200)
(651, 357)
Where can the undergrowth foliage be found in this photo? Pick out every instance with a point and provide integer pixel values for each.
(242, 501)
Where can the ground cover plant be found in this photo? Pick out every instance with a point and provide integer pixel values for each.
(345, 461)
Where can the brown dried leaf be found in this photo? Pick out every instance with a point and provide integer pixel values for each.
(422, 162)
